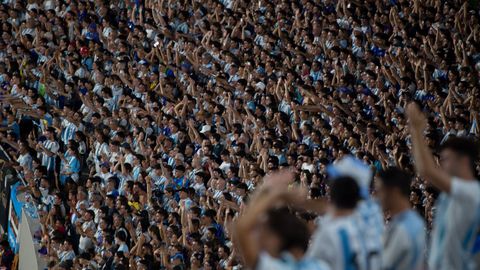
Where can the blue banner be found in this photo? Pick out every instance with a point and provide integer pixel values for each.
(14, 216)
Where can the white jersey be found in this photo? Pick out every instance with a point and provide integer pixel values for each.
(404, 242)
(455, 227)
(338, 242)
(287, 262)
(371, 227)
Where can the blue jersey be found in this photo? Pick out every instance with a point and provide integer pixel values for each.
(70, 168)
(404, 242)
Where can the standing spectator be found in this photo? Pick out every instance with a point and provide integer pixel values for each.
(337, 241)
(456, 216)
(48, 150)
(284, 238)
(404, 240)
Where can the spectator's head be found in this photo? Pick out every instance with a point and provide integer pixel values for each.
(208, 217)
(393, 189)
(4, 245)
(67, 244)
(50, 133)
(458, 156)
(179, 171)
(64, 265)
(283, 232)
(120, 237)
(344, 193)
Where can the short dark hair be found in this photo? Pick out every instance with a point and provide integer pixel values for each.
(344, 192)
(292, 230)
(468, 147)
(210, 213)
(394, 177)
(91, 212)
(121, 235)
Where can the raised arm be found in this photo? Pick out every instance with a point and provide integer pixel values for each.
(244, 229)
(424, 161)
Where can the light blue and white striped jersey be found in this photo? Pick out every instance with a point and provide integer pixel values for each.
(338, 242)
(455, 227)
(368, 215)
(136, 172)
(68, 131)
(371, 227)
(404, 242)
(287, 262)
(49, 161)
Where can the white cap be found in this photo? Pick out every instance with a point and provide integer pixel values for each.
(354, 168)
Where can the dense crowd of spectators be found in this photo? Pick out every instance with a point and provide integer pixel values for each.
(141, 127)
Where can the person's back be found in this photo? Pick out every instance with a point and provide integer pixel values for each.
(338, 242)
(406, 236)
(370, 223)
(368, 214)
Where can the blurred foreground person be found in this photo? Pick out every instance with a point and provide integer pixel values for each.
(457, 215)
(273, 238)
(368, 213)
(404, 239)
(338, 240)
(366, 216)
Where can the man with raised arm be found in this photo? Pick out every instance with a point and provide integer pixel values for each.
(457, 215)
(270, 237)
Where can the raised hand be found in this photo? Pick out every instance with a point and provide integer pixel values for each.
(416, 118)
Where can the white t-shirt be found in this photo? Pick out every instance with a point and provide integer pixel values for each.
(456, 224)
(85, 242)
(123, 247)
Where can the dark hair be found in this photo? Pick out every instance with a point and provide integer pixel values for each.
(121, 235)
(196, 210)
(345, 192)
(464, 147)
(92, 213)
(210, 213)
(292, 231)
(394, 177)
